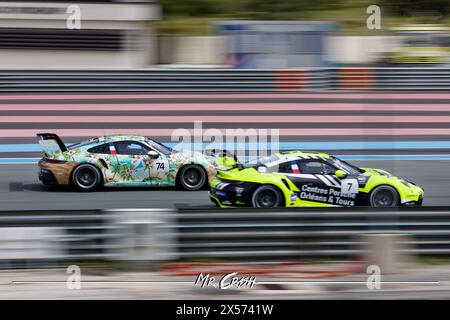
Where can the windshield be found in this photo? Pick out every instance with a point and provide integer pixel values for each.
(263, 161)
(347, 167)
(159, 147)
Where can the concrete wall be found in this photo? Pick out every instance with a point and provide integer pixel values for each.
(212, 49)
(359, 49)
(192, 50)
(143, 55)
(140, 47)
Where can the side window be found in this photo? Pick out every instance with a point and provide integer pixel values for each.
(102, 149)
(315, 167)
(285, 167)
(131, 148)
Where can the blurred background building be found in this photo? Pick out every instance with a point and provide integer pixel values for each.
(222, 33)
(113, 34)
(276, 44)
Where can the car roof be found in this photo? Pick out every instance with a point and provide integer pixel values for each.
(105, 139)
(120, 137)
(299, 153)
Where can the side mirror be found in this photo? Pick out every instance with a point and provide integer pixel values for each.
(225, 162)
(262, 169)
(340, 173)
(153, 154)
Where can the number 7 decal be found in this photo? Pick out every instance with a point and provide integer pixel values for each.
(349, 186)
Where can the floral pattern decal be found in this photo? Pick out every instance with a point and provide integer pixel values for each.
(122, 170)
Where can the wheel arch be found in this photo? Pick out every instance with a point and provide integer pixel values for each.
(177, 176)
(384, 185)
(257, 185)
(88, 163)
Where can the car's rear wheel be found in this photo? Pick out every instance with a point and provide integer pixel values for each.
(266, 196)
(86, 177)
(192, 177)
(384, 196)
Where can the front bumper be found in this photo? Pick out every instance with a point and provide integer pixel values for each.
(415, 203)
(217, 202)
(230, 196)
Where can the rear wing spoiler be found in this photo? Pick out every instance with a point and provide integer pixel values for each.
(50, 142)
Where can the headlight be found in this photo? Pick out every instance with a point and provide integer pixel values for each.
(406, 183)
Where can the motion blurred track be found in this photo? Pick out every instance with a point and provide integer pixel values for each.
(383, 125)
(20, 189)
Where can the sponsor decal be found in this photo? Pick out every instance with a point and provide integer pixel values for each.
(112, 149)
(349, 186)
(239, 191)
(221, 193)
(294, 167)
(138, 171)
(329, 196)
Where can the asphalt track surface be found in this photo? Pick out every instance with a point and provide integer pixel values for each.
(20, 189)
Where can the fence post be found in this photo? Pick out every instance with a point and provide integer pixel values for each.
(389, 251)
(147, 235)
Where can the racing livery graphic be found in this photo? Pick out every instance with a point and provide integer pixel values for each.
(121, 160)
(296, 178)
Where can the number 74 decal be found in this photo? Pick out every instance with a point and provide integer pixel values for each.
(160, 166)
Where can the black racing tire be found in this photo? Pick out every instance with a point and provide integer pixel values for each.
(384, 196)
(86, 177)
(192, 177)
(267, 196)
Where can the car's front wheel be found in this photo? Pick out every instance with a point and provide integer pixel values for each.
(192, 177)
(384, 196)
(86, 177)
(266, 196)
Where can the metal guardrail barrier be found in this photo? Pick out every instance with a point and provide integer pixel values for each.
(149, 80)
(305, 233)
(42, 238)
(227, 80)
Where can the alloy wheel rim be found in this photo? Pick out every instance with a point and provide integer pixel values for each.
(384, 198)
(86, 178)
(266, 198)
(192, 177)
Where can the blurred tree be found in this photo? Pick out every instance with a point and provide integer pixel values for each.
(195, 16)
(193, 8)
(202, 8)
(409, 8)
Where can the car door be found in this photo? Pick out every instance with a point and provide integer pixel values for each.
(327, 188)
(314, 179)
(130, 162)
(322, 170)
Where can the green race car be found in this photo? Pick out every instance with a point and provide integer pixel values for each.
(297, 178)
